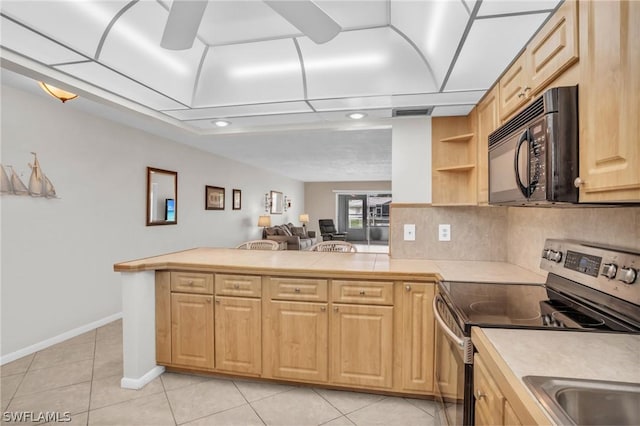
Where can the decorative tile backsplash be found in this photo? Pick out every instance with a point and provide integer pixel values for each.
(512, 234)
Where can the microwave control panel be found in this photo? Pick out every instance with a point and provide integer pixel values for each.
(537, 169)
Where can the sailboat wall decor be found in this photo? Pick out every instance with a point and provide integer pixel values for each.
(39, 184)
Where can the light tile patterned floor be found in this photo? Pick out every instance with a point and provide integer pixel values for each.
(82, 376)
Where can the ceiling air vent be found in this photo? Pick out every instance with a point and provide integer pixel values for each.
(412, 112)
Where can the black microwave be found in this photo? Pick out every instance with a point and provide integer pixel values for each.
(533, 157)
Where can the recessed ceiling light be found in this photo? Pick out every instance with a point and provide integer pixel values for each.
(221, 123)
(356, 115)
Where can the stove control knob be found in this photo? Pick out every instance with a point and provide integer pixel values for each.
(545, 253)
(555, 256)
(628, 275)
(609, 270)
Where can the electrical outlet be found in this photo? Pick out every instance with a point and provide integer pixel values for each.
(444, 232)
(409, 232)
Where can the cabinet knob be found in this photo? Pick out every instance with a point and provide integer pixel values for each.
(521, 95)
(407, 287)
(362, 293)
(323, 308)
(190, 283)
(578, 182)
(335, 309)
(236, 286)
(479, 394)
(526, 89)
(297, 290)
(209, 301)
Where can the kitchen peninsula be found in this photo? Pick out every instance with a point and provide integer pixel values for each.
(350, 320)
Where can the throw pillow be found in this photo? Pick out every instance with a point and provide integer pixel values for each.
(286, 230)
(298, 231)
(271, 231)
(279, 231)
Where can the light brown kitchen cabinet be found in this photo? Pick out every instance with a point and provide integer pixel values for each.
(488, 121)
(454, 160)
(417, 336)
(510, 417)
(295, 341)
(238, 334)
(489, 401)
(551, 51)
(609, 101)
(192, 330)
(361, 345)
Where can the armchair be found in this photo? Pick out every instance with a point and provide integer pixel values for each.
(329, 232)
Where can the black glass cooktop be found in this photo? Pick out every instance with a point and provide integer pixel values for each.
(515, 306)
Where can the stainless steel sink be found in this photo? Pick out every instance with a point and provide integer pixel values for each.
(587, 402)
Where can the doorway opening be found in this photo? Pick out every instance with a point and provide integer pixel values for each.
(365, 217)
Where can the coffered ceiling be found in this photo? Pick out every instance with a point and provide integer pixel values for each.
(251, 67)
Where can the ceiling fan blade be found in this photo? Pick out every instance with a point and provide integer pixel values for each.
(306, 16)
(182, 24)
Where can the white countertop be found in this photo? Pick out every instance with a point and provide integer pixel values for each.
(568, 354)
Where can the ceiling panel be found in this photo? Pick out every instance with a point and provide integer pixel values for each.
(133, 48)
(32, 45)
(445, 98)
(78, 24)
(104, 78)
(226, 22)
(498, 7)
(488, 51)
(342, 115)
(259, 121)
(262, 72)
(357, 13)
(361, 63)
(240, 110)
(351, 103)
(436, 27)
(449, 110)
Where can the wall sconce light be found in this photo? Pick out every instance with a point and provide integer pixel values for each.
(60, 94)
(287, 203)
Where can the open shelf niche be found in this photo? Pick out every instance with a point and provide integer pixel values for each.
(454, 162)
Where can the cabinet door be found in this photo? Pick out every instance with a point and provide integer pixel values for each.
(554, 48)
(296, 341)
(192, 330)
(238, 335)
(417, 336)
(489, 401)
(362, 345)
(609, 101)
(510, 417)
(512, 87)
(488, 121)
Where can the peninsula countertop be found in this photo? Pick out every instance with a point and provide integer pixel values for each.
(304, 263)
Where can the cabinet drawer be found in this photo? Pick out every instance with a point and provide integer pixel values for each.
(365, 292)
(238, 285)
(298, 289)
(192, 282)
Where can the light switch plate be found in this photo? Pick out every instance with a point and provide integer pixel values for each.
(409, 232)
(444, 232)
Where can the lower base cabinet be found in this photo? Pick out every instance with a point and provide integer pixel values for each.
(192, 330)
(362, 345)
(296, 341)
(491, 407)
(238, 335)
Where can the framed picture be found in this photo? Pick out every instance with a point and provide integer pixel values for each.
(214, 198)
(277, 202)
(237, 199)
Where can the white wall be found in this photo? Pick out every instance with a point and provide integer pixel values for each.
(58, 255)
(411, 160)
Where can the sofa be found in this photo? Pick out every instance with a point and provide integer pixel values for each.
(295, 237)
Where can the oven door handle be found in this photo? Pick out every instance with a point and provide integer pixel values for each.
(455, 339)
(464, 344)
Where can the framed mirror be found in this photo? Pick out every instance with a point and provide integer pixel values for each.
(277, 202)
(162, 197)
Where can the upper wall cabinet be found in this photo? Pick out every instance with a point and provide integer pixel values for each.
(488, 121)
(609, 101)
(550, 52)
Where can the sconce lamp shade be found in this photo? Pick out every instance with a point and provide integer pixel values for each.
(264, 221)
(304, 218)
(60, 94)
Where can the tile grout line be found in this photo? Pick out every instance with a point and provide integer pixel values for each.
(168, 401)
(420, 408)
(93, 365)
(21, 381)
(249, 403)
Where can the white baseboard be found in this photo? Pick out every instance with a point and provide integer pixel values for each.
(59, 338)
(129, 383)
